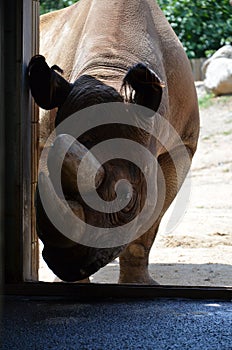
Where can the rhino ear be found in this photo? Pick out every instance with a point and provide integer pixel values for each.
(142, 86)
(48, 88)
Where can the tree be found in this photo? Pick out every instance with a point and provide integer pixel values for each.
(52, 5)
(202, 26)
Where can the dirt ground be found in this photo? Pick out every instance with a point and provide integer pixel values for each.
(197, 251)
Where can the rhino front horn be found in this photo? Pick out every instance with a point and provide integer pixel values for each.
(65, 230)
(69, 152)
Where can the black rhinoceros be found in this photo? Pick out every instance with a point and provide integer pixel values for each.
(112, 53)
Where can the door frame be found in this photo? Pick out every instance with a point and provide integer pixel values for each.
(19, 42)
(20, 33)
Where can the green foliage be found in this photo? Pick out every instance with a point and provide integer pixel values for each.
(203, 26)
(206, 101)
(52, 5)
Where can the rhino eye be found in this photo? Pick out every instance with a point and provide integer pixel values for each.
(124, 191)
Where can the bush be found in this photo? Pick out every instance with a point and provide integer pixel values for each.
(203, 26)
(52, 5)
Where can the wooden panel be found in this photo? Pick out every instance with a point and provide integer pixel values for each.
(20, 144)
(1, 139)
(34, 149)
(196, 65)
(34, 152)
(34, 240)
(30, 143)
(12, 203)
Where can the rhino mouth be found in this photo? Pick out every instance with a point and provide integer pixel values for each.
(68, 259)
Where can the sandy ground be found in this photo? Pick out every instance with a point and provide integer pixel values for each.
(196, 250)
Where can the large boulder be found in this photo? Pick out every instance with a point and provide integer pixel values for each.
(218, 71)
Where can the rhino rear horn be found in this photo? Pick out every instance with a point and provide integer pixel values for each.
(142, 86)
(48, 88)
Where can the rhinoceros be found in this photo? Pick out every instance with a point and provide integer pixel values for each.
(111, 53)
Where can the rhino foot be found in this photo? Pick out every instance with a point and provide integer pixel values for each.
(136, 275)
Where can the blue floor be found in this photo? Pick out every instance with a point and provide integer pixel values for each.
(160, 324)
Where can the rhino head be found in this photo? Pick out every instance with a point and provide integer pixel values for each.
(116, 179)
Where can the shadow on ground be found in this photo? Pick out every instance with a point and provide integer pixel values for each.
(175, 274)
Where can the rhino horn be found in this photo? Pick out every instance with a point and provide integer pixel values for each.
(63, 214)
(91, 175)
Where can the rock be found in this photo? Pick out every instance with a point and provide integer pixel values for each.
(218, 71)
(200, 89)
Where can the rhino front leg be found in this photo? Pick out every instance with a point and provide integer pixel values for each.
(135, 258)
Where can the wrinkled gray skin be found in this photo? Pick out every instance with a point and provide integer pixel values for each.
(96, 42)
